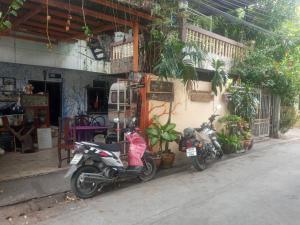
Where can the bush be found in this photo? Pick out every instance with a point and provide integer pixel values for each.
(288, 118)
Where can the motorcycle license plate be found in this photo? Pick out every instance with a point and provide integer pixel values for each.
(191, 152)
(76, 159)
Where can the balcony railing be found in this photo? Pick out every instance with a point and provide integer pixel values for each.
(122, 56)
(213, 43)
(216, 46)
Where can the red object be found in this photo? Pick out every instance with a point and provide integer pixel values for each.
(137, 148)
(104, 154)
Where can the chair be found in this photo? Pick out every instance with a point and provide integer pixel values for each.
(99, 121)
(66, 138)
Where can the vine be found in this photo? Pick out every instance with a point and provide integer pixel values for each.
(12, 10)
(48, 18)
(86, 29)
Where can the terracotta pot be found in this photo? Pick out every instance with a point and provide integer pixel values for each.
(167, 160)
(157, 160)
(248, 144)
(227, 149)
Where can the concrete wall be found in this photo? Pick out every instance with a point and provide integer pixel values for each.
(74, 82)
(187, 113)
(75, 56)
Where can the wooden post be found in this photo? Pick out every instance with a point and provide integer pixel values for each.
(275, 118)
(135, 46)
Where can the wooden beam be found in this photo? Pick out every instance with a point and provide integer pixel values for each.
(54, 28)
(40, 32)
(26, 17)
(62, 23)
(26, 37)
(95, 31)
(123, 8)
(76, 18)
(136, 47)
(88, 12)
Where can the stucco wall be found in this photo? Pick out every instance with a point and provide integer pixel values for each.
(74, 82)
(75, 56)
(187, 113)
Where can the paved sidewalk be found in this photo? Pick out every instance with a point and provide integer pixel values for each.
(24, 189)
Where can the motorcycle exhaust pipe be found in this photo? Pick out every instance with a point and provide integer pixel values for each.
(94, 177)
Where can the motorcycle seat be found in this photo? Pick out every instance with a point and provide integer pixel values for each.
(115, 147)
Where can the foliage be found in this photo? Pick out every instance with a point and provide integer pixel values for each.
(243, 102)
(288, 118)
(164, 52)
(177, 59)
(12, 10)
(230, 143)
(159, 133)
(266, 14)
(220, 76)
(235, 125)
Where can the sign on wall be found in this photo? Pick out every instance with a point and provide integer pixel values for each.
(161, 91)
(201, 96)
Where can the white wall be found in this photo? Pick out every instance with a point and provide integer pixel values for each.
(187, 113)
(75, 56)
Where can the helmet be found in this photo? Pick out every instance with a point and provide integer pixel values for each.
(188, 132)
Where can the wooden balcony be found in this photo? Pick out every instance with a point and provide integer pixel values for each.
(122, 56)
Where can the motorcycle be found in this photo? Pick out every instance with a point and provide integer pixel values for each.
(95, 165)
(201, 144)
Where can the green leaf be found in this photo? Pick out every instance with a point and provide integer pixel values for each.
(166, 136)
(7, 24)
(0, 14)
(152, 131)
(153, 141)
(15, 5)
(170, 126)
(13, 12)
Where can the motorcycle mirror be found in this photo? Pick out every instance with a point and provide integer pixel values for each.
(133, 119)
(116, 120)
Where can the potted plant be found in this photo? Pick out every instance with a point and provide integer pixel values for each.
(235, 128)
(230, 143)
(163, 134)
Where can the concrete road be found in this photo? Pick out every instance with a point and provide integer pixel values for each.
(262, 187)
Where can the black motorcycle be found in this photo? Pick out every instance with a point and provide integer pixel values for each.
(201, 144)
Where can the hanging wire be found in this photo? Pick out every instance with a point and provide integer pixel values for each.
(247, 14)
(235, 19)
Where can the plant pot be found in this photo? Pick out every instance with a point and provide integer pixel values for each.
(167, 160)
(248, 144)
(157, 160)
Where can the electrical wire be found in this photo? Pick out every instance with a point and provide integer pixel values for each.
(249, 15)
(234, 19)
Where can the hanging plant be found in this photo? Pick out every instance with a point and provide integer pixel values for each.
(220, 76)
(86, 29)
(12, 10)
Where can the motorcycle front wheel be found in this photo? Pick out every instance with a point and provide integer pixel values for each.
(198, 163)
(80, 188)
(149, 169)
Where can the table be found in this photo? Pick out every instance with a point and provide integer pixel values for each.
(84, 133)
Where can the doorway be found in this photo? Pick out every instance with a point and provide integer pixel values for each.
(54, 90)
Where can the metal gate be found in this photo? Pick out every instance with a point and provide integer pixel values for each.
(261, 124)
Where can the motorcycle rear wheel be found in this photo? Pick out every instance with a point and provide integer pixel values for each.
(81, 189)
(149, 169)
(198, 163)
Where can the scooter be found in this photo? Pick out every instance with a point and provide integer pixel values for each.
(95, 165)
(201, 144)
